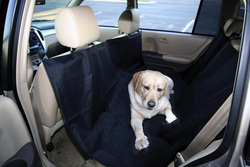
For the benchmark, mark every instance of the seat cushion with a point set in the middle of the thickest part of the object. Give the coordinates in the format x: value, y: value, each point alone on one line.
x: 91, y: 89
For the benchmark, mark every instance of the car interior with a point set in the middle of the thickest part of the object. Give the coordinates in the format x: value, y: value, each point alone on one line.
x: 72, y: 88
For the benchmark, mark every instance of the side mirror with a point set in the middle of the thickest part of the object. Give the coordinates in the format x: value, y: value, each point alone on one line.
x: 40, y: 2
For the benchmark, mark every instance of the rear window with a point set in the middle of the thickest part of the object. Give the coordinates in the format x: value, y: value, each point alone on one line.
x: 185, y: 16
x: 169, y: 15
x: 107, y: 12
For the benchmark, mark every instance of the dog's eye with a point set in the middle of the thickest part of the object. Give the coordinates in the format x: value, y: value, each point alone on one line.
x: 146, y: 87
x: 159, y: 89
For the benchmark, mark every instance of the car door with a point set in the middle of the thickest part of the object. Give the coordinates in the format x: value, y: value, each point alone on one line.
x: 17, y: 148
x: 176, y: 33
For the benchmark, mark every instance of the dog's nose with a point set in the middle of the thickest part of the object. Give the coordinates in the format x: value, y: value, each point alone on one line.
x: 151, y: 104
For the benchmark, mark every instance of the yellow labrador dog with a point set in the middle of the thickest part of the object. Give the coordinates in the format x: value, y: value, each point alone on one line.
x: 149, y: 93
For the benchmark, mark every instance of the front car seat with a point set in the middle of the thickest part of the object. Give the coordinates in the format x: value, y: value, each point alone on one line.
x: 75, y: 27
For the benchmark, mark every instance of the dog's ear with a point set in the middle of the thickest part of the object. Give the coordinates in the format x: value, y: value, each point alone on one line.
x: 137, y: 79
x: 165, y: 88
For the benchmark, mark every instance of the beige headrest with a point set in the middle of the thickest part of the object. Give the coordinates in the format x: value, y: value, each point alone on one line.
x: 129, y: 21
x: 76, y: 26
x: 233, y: 25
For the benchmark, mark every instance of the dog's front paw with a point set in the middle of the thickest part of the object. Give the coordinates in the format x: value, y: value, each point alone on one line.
x: 141, y: 143
x: 170, y: 118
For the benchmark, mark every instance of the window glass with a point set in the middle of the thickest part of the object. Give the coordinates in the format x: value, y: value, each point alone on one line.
x: 208, y: 19
x: 107, y: 12
x: 49, y: 10
x: 187, y: 16
x: 169, y: 15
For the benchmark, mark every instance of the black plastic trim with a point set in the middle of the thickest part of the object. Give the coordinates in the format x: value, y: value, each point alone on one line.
x: 7, y: 34
x: 27, y: 156
x: 197, y: 16
x: 153, y: 58
x: 3, y: 9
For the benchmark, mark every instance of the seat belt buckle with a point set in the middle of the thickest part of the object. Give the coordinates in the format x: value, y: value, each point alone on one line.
x: 178, y: 159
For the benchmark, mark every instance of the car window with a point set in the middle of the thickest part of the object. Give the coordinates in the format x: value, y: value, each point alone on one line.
x: 107, y: 12
x: 170, y: 15
x: 49, y: 10
x: 189, y: 16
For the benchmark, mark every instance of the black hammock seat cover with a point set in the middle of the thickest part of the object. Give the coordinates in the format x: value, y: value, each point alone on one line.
x: 91, y: 89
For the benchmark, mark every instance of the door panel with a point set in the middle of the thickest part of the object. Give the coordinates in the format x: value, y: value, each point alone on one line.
x: 167, y: 49
x: 17, y: 149
x: 176, y: 49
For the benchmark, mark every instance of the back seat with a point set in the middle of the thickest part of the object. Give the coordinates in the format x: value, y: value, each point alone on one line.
x: 91, y: 89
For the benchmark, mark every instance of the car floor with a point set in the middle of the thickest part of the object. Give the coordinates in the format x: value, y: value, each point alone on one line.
x: 65, y: 154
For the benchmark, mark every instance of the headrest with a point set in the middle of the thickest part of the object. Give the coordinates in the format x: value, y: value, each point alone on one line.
x: 129, y: 21
x: 233, y: 25
x: 76, y: 26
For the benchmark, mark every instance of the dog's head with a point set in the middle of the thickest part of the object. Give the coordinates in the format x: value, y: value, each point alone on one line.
x: 151, y: 86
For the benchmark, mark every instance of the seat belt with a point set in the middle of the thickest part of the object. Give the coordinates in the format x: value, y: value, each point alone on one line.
x: 207, y: 134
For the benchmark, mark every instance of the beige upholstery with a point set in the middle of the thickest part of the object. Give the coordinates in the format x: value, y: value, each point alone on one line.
x: 76, y: 26
x: 211, y: 148
x: 13, y: 132
x: 233, y: 25
x: 46, y: 104
x: 129, y: 21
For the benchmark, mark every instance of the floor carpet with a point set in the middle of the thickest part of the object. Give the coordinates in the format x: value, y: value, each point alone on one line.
x: 65, y: 154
